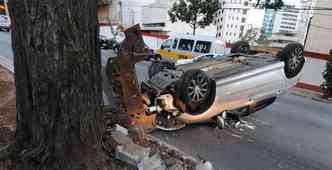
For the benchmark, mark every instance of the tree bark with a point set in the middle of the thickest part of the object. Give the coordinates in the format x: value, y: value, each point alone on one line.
x: 58, y: 84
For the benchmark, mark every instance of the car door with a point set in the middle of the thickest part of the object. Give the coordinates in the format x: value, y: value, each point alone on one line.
x: 185, y: 49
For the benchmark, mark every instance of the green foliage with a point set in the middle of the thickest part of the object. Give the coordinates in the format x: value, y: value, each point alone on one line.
x: 196, y: 13
x: 268, y: 4
x: 327, y: 85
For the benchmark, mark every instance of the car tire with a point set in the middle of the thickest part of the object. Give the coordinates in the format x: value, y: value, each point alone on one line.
x: 196, y: 90
x: 241, y: 47
x: 293, y: 56
x: 158, y: 66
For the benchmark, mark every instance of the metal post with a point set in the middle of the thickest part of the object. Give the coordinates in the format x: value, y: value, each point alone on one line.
x: 6, y: 7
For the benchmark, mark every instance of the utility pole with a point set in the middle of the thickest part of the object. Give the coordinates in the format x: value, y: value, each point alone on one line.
x: 6, y: 7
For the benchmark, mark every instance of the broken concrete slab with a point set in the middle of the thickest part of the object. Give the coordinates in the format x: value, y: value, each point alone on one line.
x: 153, y: 163
x: 132, y: 154
x: 118, y: 128
x: 118, y: 138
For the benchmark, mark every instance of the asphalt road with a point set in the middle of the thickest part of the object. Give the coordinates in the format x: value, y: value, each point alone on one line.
x: 294, y: 133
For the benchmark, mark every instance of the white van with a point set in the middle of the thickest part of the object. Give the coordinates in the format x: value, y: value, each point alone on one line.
x: 182, y: 46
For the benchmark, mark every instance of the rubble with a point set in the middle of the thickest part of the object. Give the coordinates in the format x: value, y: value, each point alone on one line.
x: 132, y: 154
x: 118, y: 128
x: 144, y: 152
x: 153, y: 163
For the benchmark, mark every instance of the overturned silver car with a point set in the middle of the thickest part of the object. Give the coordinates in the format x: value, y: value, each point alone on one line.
x: 210, y: 89
x: 218, y: 88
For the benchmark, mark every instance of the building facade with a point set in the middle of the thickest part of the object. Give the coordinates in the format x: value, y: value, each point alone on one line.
x: 232, y: 19
x: 268, y: 22
x: 317, y: 45
x: 289, y: 24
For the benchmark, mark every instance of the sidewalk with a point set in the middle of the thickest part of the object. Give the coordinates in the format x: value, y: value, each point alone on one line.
x: 7, y: 63
x: 310, y: 95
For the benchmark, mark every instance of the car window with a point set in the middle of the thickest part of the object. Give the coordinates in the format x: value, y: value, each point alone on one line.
x: 166, y: 44
x: 186, y: 45
x: 175, y: 43
x: 203, y: 47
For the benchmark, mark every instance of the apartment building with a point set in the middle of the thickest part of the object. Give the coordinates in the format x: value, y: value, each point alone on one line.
x: 289, y: 24
x: 232, y: 19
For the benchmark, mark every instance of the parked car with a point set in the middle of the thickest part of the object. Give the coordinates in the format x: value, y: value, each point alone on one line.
x: 4, y: 23
x: 108, y: 43
x: 211, y: 89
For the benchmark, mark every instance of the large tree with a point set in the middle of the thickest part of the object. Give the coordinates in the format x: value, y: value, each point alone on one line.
x: 58, y: 84
x: 270, y: 4
x: 196, y: 13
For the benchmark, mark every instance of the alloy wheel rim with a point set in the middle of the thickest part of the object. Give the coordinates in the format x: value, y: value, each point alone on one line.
x: 198, y: 88
x: 296, y: 59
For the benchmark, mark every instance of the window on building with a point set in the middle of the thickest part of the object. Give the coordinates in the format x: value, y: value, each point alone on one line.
x: 243, y: 20
x: 186, y: 45
x: 246, y: 3
x: 288, y: 23
x: 287, y: 27
x: 202, y: 47
x: 245, y: 11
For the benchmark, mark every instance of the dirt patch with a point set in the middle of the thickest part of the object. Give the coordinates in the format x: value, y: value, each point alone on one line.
x: 7, y: 112
x: 7, y: 102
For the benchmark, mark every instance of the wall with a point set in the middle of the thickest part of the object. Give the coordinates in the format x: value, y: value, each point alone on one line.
x: 320, y: 32
x: 318, y: 44
x: 312, y: 72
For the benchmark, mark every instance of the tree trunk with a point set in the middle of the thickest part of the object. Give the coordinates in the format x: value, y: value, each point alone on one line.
x: 58, y: 84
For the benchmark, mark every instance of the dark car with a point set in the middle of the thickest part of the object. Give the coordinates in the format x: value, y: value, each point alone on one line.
x: 108, y: 43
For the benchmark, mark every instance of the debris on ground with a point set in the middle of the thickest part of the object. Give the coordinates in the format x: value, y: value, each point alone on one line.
x: 146, y: 152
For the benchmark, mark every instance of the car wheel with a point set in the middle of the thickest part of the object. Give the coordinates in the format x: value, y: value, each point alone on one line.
x: 293, y: 56
x: 241, y: 47
x: 157, y: 66
x: 196, y: 90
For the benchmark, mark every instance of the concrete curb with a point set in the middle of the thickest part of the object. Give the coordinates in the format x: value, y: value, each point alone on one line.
x: 7, y: 63
x: 314, y: 97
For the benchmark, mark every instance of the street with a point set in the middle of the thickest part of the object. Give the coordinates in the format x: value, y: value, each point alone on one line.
x: 6, y: 49
x: 293, y: 133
